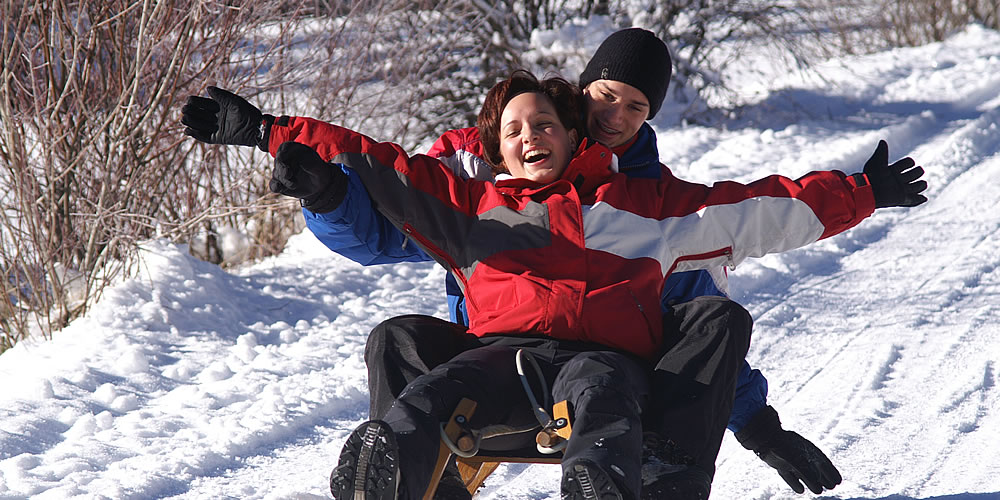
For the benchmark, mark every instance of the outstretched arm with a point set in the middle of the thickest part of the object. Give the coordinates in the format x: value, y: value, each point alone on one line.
x: 723, y: 224
x: 340, y: 214
x: 356, y: 230
x: 418, y: 194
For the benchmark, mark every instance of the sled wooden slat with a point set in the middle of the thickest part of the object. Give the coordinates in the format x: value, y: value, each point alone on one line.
x: 474, y: 474
x: 463, y: 412
x: 477, y: 468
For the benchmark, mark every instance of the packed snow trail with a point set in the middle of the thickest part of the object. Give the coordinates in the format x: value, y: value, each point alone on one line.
x: 881, y: 345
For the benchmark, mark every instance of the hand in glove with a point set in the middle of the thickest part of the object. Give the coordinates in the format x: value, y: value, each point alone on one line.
x: 795, y: 458
x: 894, y: 185
x: 301, y: 173
x: 225, y: 118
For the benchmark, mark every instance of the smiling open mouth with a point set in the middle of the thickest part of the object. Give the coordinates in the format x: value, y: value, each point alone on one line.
x: 536, y: 156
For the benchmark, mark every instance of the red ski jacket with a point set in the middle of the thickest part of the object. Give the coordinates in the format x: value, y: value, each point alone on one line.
x: 584, y: 257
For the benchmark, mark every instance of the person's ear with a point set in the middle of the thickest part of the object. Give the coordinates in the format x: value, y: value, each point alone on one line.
x: 575, y: 137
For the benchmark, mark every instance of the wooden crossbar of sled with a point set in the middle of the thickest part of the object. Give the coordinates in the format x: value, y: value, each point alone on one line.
x: 475, y: 469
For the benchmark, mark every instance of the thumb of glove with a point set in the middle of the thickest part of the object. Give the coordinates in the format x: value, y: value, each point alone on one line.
x: 792, y: 479
x: 879, y: 159
x: 239, y: 121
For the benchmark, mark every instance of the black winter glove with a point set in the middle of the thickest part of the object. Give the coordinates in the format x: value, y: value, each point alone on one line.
x: 301, y: 173
x: 894, y: 185
x: 225, y: 118
x: 793, y: 456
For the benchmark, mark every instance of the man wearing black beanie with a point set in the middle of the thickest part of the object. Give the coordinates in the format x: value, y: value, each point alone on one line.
x: 631, y: 67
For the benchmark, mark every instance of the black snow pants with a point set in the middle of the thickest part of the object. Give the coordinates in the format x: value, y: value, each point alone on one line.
x: 403, y: 348
x: 605, y: 391
x: 692, y: 385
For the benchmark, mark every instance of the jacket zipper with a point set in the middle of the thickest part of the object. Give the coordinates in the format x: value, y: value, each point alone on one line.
x: 722, y: 252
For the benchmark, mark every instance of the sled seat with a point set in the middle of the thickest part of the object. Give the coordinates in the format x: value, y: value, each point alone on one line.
x: 493, y: 451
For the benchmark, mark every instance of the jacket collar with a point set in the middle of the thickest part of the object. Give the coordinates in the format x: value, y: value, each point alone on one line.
x: 642, y: 159
x: 590, y: 167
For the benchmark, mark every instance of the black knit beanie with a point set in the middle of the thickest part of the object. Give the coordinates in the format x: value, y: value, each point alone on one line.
x: 634, y: 56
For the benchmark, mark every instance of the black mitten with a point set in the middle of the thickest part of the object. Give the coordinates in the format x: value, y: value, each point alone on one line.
x: 301, y: 173
x: 795, y: 458
x: 894, y: 185
x: 225, y: 118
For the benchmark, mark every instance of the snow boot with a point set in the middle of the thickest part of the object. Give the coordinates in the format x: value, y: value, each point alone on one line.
x: 369, y: 464
x: 584, y: 480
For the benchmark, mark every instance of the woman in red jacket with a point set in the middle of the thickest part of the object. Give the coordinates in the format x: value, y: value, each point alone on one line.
x: 502, y: 233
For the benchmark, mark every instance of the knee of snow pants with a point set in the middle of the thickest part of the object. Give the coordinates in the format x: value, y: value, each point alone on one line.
x: 403, y: 348
x: 704, y: 337
x: 606, y: 392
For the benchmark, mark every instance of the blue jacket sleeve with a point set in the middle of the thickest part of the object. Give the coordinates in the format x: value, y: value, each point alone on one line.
x: 359, y: 232
x: 456, y: 301
x: 684, y: 286
x: 751, y: 396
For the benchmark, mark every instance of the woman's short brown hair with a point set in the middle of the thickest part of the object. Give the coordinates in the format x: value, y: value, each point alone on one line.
x: 566, y: 98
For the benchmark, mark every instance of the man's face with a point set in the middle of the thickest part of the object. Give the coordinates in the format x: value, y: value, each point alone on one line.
x: 615, y: 111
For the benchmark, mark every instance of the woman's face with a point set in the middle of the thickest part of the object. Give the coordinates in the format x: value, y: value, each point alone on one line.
x: 533, y: 142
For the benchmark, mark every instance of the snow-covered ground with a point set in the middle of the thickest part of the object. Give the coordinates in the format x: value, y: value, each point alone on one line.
x: 881, y: 345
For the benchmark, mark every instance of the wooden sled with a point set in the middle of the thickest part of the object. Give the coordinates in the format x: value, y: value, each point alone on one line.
x: 476, y: 468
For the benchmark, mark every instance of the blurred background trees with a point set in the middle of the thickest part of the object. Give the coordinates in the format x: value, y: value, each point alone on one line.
x: 94, y: 161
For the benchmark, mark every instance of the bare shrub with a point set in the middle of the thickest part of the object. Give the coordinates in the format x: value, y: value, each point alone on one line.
x: 93, y: 158
x: 917, y: 22
x: 704, y: 36
x: 90, y: 92
x: 862, y: 26
x: 402, y: 71
x: 93, y: 161
x: 501, y: 35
